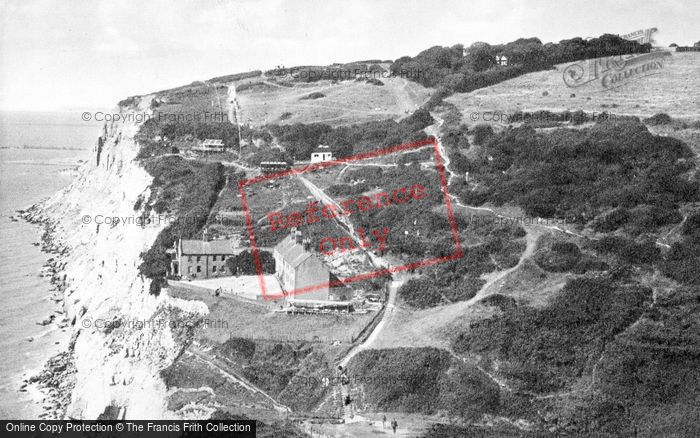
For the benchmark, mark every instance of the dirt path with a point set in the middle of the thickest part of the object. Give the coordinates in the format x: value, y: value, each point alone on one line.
x: 232, y: 375
x: 434, y: 130
x: 388, y: 316
x: 378, y: 261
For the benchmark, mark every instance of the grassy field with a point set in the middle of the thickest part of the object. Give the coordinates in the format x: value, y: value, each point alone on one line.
x: 345, y: 102
x: 257, y: 321
x: 672, y: 91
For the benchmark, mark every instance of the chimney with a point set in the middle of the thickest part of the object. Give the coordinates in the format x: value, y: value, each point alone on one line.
x: 296, y: 234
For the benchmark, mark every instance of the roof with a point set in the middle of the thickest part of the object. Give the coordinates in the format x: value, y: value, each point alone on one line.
x: 200, y: 247
x: 293, y: 252
x: 322, y: 148
x: 212, y: 142
x: 318, y: 303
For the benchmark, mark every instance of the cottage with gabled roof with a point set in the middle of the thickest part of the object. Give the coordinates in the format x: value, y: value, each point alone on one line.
x: 298, y: 267
x: 201, y: 258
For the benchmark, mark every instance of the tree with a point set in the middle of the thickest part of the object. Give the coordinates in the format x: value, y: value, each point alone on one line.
x: 480, y: 57
x: 244, y: 264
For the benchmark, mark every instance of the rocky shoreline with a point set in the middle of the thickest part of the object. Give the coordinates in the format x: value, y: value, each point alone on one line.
x: 57, y: 379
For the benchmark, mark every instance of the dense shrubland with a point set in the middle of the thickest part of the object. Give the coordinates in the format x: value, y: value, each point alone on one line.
x: 460, y: 279
x: 547, y: 349
x: 682, y: 262
x: 181, y: 189
x: 283, y: 369
x: 299, y: 139
x: 582, y: 173
x: 423, y: 380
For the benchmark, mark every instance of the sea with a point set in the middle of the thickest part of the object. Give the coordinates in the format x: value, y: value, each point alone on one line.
x: 39, y: 154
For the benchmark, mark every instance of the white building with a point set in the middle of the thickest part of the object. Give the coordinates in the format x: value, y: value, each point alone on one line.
x: 321, y: 153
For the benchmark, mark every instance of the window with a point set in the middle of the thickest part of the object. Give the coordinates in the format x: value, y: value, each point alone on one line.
x: 214, y: 258
x: 223, y: 258
x: 189, y: 258
x: 199, y: 268
x: 214, y: 269
x: 189, y: 269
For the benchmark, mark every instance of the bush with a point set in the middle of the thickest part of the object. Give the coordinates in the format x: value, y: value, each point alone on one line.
x: 659, y: 119
x: 156, y: 285
x: 314, y: 95
x: 482, y: 133
x: 611, y: 221
x: 691, y: 227
x: 456, y: 138
x: 682, y: 263
x: 628, y: 250
x: 579, y: 117
x: 370, y: 174
x: 502, y: 302
x: 244, y: 263
x: 347, y: 189
x: 420, y: 293
x: 560, y: 257
x: 648, y: 218
x: 420, y: 119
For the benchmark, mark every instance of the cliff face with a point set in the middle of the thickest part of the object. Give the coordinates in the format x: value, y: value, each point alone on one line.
x: 123, y: 336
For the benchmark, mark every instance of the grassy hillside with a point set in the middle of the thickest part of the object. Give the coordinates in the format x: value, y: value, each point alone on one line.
x: 672, y: 91
x: 342, y: 103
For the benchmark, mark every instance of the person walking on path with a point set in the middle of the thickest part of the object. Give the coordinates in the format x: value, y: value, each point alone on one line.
x: 383, y: 421
x: 394, y: 425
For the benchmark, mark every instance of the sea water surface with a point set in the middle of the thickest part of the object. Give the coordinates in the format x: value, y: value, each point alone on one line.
x: 39, y: 155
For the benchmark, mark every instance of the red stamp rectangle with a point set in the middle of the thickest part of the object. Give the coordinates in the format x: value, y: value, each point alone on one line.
x: 345, y: 232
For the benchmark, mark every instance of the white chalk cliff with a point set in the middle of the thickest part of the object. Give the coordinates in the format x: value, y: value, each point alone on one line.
x: 116, y: 367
